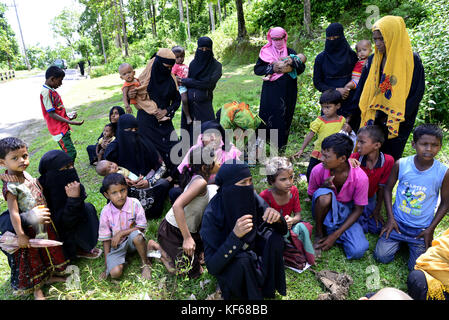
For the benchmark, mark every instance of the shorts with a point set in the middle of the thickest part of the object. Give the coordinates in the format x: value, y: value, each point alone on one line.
x: 182, y: 89
x: 117, y: 256
x: 67, y: 146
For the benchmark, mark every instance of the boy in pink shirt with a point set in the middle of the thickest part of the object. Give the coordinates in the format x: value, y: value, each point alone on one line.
x: 122, y: 223
x: 339, y: 194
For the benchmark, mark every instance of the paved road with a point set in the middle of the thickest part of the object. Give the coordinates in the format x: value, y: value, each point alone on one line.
x: 20, y: 103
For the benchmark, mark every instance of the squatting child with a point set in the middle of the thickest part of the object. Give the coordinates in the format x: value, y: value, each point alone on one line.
x: 283, y: 196
x: 421, y: 180
x: 323, y: 126
x: 55, y: 114
x: 31, y: 268
x: 339, y: 193
x: 377, y: 167
x: 122, y: 227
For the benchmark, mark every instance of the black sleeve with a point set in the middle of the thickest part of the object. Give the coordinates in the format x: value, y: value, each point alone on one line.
x: 176, y: 102
x: 318, y: 75
x: 73, y: 213
x: 207, y: 84
x: 263, y: 68
x: 416, y: 91
x: 111, y: 152
x: 280, y: 227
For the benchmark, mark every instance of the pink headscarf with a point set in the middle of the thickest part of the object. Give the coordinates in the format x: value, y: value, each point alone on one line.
x: 274, y: 50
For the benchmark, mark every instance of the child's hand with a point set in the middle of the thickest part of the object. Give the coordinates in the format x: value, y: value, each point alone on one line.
x: 77, y: 123
x: 72, y: 115
x: 189, y: 120
x: 427, y: 234
x: 289, y: 221
x: 298, y: 154
x: 103, y: 275
x: 388, y: 227
x: 23, y: 241
x: 328, y: 183
x: 327, y: 242
x: 73, y: 189
x: 189, y: 245
x: 116, y: 239
x: 354, y: 163
x: 129, y: 109
x: 377, y: 216
x: 41, y: 214
x: 346, y: 127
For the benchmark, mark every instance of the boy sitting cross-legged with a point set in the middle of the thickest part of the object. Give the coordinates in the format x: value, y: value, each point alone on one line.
x: 339, y: 192
x: 421, y: 179
x: 377, y: 167
x: 122, y: 223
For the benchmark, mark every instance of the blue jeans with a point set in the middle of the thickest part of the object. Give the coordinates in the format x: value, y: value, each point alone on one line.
x: 386, y: 248
x: 353, y: 239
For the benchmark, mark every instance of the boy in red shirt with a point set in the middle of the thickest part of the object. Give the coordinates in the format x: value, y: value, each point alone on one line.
x: 377, y: 167
x: 54, y: 112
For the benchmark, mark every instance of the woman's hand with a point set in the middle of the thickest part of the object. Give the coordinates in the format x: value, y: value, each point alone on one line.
x: 141, y: 184
x: 189, y: 246
x: 271, y: 216
x: 344, y: 92
x: 160, y: 113
x: 73, y: 189
x: 243, y: 225
x: 132, y: 93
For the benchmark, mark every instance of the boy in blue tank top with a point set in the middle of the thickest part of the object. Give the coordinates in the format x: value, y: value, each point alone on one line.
x: 412, y: 218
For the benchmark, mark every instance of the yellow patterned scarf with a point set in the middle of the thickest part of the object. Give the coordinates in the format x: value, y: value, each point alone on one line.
x: 389, y: 93
x: 435, y: 265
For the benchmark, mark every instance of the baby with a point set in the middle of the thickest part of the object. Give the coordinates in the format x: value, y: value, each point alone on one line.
x: 105, y: 140
x: 285, y: 65
x: 127, y: 73
x: 105, y: 167
x: 364, y: 49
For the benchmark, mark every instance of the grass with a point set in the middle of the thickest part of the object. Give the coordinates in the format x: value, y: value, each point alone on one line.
x: 93, y: 98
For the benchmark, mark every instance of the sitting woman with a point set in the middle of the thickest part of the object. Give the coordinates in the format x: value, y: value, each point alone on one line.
x: 243, y: 238
x: 76, y: 220
x: 178, y: 233
x: 114, y: 114
x: 136, y: 153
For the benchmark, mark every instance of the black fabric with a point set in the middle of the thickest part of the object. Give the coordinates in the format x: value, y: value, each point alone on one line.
x: 76, y: 221
x: 162, y: 84
x: 132, y: 150
x: 278, y: 101
x: 394, y: 147
x: 152, y: 199
x: 202, y: 63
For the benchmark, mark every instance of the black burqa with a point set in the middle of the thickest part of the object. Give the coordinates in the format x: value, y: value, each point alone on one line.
x: 91, y: 149
x: 204, y: 73
x: 162, y: 90
x: 251, y: 267
x: 75, y: 220
x: 333, y: 67
x: 131, y: 149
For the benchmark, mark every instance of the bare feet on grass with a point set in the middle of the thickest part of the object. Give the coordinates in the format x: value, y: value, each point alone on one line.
x: 39, y: 294
x: 146, y: 271
x: 165, y: 258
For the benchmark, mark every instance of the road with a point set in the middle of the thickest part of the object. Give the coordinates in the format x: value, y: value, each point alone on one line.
x: 20, y: 104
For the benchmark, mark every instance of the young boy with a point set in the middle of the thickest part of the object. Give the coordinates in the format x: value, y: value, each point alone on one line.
x: 377, y: 167
x: 421, y: 179
x: 339, y: 192
x: 105, y: 140
x: 54, y: 112
x: 122, y: 223
x: 181, y: 71
x: 323, y: 126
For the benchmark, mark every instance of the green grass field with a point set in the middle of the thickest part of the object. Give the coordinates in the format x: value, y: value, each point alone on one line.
x: 93, y: 98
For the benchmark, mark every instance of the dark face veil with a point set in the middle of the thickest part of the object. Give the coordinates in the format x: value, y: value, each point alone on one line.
x: 162, y: 84
x: 339, y: 57
x: 203, y: 62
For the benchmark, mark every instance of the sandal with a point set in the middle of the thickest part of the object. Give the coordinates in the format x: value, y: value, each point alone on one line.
x: 92, y: 254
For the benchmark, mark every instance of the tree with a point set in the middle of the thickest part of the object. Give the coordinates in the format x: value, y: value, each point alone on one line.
x: 211, y: 16
x: 188, y: 20
x: 9, y: 48
x: 125, y: 36
x: 66, y: 25
x: 242, y: 34
x: 307, y: 16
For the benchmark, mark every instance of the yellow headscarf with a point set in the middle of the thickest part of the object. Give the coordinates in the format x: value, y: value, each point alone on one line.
x: 435, y: 265
x: 390, y: 92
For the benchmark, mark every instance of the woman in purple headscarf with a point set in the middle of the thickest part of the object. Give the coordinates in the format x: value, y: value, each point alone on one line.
x: 279, y: 93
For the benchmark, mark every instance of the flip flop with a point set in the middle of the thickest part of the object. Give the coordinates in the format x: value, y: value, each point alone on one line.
x: 93, y: 254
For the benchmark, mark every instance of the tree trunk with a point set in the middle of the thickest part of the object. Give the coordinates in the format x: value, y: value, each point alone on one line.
x: 188, y: 20
x: 117, y: 26
x: 101, y: 38
x: 219, y: 11
x: 307, y: 16
x: 242, y: 34
x: 153, y: 20
x: 125, y: 36
x: 211, y: 15
x: 181, y: 11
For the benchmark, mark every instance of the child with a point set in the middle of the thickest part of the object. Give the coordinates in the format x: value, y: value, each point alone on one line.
x: 122, y: 223
x: 107, y: 138
x: 181, y: 71
x: 31, y: 268
x: 330, y: 122
x: 127, y: 73
x: 421, y: 179
x: 284, y: 198
x: 377, y: 167
x: 339, y: 192
x: 105, y: 167
x: 178, y: 233
x: 285, y: 65
x: 54, y: 112
x: 364, y: 49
